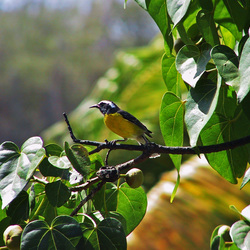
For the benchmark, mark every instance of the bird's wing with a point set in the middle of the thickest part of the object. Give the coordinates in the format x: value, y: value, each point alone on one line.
x: 134, y: 120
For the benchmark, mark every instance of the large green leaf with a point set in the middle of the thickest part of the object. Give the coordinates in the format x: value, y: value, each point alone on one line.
x: 170, y: 75
x: 191, y: 62
x: 131, y: 203
x: 15, y: 166
x: 227, y: 63
x: 40, y: 206
x: 57, y: 193
x: 240, y: 233
x: 244, y: 71
x: 200, y: 105
x: 107, y: 234
x: 18, y: 209
x: 177, y: 9
x: 172, y: 123
x: 207, y: 27
x: 78, y: 156
x: 230, y: 164
x: 63, y: 233
x: 158, y: 11
x: 222, y: 17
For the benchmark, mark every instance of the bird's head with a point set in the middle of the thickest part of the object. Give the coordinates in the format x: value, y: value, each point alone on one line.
x: 106, y: 107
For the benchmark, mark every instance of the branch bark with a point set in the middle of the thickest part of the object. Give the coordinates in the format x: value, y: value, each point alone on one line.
x: 156, y: 148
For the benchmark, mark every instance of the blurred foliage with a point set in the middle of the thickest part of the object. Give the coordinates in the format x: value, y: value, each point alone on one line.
x: 202, y: 202
x: 50, y: 58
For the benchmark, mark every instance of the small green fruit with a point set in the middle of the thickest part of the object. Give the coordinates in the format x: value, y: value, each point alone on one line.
x: 12, y: 236
x: 134, y: 177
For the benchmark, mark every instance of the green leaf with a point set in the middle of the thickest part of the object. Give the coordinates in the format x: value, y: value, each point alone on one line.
x: 231, y: 163
x: 246, y: 178
x: 171, y: 76
x: 177, y: 9
x: 78, y: 156
x: 207, y: 27
x: 18, y: 209
x: 172, y: 123
x: 227, y: 63
x: 40, y: 206
x: 108, y: 234
x: 200, y: 105
x: 57, y: 193
x: 175, y: 187
x: 47, y: 169
x: 158, y: 11
x: 222, y: 17
x: 36, y: 161
x: 142, y: 3
x: 239, y: 13
x: 61, y: 162
x: 244, y: 71
x: 15, y: 165
x: 64, y: 233
x: 240, y: 233
x: 131, y: 203
x: 53, y: 149
x: 191, y: 62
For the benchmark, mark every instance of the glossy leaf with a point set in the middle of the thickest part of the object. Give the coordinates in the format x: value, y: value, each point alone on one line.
x: 47, y: 169
x: 177, y: 9
x: 200, y: 105
x: 63, y: 233
x: 78, y: 156
x: 191, y: 62
x: 230, y: 164
x: 244, y: 71
x: 57, y: 193
x: 18, y: 209
x: 207, y: 27
x: 227, y: 63
x: 60, y: 162
x: 172, y: 123
x: 53, y: 149
x: 158, y: 11
x: 131, y: 203
x: 240, y: 233
x: 223, y: 17
x: 171, y: 76
x: 15, y: 165
x: 108, y: 234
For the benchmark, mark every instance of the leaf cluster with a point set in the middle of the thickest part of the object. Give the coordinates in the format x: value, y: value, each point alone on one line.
x: 37, y: 187
x: 206, y: 51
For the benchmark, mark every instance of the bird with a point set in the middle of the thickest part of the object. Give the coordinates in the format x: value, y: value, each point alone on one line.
x: 123, y: 123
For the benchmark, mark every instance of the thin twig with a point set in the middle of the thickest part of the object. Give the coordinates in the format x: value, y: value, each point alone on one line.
x: 85, y: 185
x: 88, y: 197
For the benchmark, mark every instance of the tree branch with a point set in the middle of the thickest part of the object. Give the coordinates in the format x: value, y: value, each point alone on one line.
x: 156, y: 148
x: 112, y: 173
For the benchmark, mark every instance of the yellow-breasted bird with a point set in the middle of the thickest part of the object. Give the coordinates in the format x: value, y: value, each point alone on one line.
x: 123, y: 123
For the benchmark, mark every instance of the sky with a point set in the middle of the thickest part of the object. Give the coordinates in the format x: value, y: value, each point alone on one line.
x: 10, y: 5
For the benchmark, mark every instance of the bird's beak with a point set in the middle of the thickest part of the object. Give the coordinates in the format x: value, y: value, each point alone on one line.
x: 94, y: 106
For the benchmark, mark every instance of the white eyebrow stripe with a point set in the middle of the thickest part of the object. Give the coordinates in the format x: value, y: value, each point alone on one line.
x: 112, y: 105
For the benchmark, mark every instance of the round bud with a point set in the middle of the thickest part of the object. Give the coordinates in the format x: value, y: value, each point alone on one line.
x: 134, y: 177
x: 12, y: 236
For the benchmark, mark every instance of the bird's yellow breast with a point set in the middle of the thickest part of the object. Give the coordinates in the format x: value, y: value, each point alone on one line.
x: 122, y: 127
